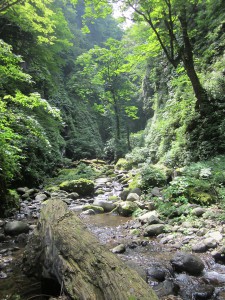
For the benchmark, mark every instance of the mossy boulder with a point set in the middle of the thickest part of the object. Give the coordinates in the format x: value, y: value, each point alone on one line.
x: 126, y: 208
x: 200, y: 197
x: 123, y: 164
x: 95, y: 208
x: 82, y: 186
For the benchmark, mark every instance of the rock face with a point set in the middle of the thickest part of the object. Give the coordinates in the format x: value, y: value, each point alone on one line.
x: 16, y: 227
x: 61, y: 247
x: 188, y: 263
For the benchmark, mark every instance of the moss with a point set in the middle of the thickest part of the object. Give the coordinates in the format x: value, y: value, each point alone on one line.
x: 82, y: 186
x: 135, y: 182
x: 123, y: 164
x: 97, y: 209
x: 11, y: 203
x: 200, y: 197
x: 114, y: 198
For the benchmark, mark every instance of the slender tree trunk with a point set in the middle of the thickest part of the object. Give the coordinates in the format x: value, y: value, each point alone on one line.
x: 187, y: 58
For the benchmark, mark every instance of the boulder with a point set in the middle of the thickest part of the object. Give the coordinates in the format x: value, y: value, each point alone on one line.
x: 148, y: 216
x: 73, y: 196
x: 95, y: 208
x: 136, y: 191
x: 83, y: 187
x: 133, y: 197
x: 126, y: 208
x: 186, y: 262
x: 105, y: 204
x: 153, y: 230
x: 123, y: 195
x: 119, y: 249
x: 198, y: 211
x: 16, y: 227
x: 41, y: 197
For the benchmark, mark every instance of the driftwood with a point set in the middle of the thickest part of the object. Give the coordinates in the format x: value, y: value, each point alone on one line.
x: 62, y: 248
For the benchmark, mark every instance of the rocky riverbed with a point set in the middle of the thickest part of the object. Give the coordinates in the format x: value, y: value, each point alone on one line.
x: 180, y: 261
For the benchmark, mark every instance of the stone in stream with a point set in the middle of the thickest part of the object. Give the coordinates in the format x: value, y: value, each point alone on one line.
x: 126, y: 208
x: 16, y: 227
x: 119, y: 249
x: 73, y: 196
x: 41, y: 197
x: 148, y: 216
x: 2, y: 237
x: 123, y: 195
x: 198, y: 211
x: 153, y: 230
x: 186, y: 262
x: 95, y: 208
x: 133, y: 197
x: 105, y: 204
x: 136, y: 191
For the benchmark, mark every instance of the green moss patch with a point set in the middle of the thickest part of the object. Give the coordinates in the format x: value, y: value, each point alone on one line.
x: 82, y: 186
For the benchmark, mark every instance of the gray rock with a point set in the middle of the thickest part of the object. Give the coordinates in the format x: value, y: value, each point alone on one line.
x: 123, y: 195
x: 199, y: 247
x: 16, y: 227
x: 136, y: 191
x: 105, y: 204
x: 187, y: 262
x: 2, y: 237
x: 156, y: 192
x: 147, y: 216
x: 198, y: 211
x: 156, y: 273
x: 41, y: 197
x: 153, y: 230
x: 133, y: 197
x: 210, y: 243
x: 22, y: 190
x: 165, y: 288
x: 73, y: 196
x: 119, y: 249
x: 2, y: 223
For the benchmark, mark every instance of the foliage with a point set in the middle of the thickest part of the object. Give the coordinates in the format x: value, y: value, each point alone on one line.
x: 152, y: 176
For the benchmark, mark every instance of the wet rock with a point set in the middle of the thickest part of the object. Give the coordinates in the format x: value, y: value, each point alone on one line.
x: 167, y: 287
x: 88, y: 212
x: 21, y: 190
x: 153, y: 230
x: 2, y: 223
x: 133, y: 197
x: 214, y: 277
x: 105, y: 204
x: 21, y: 239
x: 219, y: 255
x: 167, y: 239
x: 203, y: 292
x: 2, y: 237
x: 198, y: 211
x: 136, y: 191
x: 119, y: 249
x: 16, y: 227
x: 156, y: 273
x: 41, y: 197
x: 123, y: 195
x: 148, y: 216
x: 73, y: 196
x: 199, y: 247
x: 126, y: 208
x: 187, y: 262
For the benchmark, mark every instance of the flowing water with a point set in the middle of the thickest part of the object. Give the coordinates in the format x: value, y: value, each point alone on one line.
x: 141, y: 254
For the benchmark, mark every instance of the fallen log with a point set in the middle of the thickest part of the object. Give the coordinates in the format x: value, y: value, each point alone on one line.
x: 62, y: 248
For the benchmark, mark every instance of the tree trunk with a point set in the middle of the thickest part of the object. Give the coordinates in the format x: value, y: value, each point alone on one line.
x: 187, y: 58
x: 61, y: 248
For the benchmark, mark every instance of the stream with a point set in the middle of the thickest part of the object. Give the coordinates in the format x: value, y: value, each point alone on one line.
x: 147, y: 255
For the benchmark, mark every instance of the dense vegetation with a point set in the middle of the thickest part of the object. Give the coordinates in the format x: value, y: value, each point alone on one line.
x: 74, y: 85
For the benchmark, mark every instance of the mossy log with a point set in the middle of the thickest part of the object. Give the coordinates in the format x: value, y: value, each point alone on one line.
x: 62, y: 248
